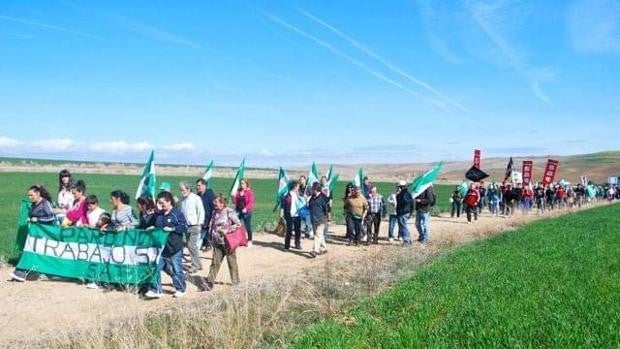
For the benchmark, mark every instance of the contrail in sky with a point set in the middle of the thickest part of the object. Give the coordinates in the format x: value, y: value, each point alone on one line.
x: 354, y: 61
x: 381, y: 59
x: 48, y: 26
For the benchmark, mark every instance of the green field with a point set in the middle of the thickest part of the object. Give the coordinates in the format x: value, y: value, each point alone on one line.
x: 551, y: 284
x: 15, y: 185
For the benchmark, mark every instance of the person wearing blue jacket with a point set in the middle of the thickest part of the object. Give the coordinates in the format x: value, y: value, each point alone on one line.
x: 172, y: 221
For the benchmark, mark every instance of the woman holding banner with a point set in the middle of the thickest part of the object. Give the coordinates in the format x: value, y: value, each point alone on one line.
x: 40, y: 212
x: 172, y: 221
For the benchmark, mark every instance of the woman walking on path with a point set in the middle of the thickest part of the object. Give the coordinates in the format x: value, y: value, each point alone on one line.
x: 224, y: 221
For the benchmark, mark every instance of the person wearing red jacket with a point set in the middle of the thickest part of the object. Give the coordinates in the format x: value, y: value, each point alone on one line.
x: 471, y: 201
x: 244, y: 205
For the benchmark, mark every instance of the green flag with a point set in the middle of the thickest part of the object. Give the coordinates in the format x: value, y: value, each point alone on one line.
x: 238, y: 178
x: 148, y: 182
x: 330, y: 172
x: 129, y: 257
x: 331, y: 183
x: 313, y: 176
x: 463, y: 188
x: 358, y: 180
x: 282, y: 187
x: 208, y: 172
x: 421, y: 183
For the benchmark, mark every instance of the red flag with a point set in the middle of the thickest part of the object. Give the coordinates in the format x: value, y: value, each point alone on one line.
x: 477, y: 158
x: 527, y: 171
x: 550, y: 171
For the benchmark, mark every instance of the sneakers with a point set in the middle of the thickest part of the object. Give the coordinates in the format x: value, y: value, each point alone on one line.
x: 18, y: 275
x: 150, y: 294
x: 391, y: 239
x: 179, y: 294
x: 92, y: 286
x: 313, y: 254
x: 249, y: 243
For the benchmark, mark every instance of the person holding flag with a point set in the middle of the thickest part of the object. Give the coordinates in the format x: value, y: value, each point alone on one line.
x: 244, y: 205
x: 207, y: 196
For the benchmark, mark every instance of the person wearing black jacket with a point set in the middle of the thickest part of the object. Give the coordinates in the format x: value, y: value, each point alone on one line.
x: 423, y: 204
x: 457, y: 201
x: 404, y: 209
x: 41, y: 212
x: 207, y: 195
x: 319, y: 210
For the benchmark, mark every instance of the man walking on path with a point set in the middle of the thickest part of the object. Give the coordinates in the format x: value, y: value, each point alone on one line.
x: 404, y: 209
x: 423, y: 204
x: 194, y: 212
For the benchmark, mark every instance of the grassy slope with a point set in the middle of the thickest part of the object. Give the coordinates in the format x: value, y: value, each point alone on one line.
x: 15, y: 185
x: 554, y: 283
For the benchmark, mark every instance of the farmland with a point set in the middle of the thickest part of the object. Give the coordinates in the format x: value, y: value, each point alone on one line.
x: 15, y: 185
x: 553, y: 283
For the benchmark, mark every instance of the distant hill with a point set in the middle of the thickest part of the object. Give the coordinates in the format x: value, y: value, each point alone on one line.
x: 597, y: 166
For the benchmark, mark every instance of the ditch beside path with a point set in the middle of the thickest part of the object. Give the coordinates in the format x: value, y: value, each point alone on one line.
x: 44, y: 308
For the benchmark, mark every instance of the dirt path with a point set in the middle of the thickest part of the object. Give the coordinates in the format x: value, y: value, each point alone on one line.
x: 47, y: 307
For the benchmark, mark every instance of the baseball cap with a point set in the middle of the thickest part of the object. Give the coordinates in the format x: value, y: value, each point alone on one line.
x: 165, y: 186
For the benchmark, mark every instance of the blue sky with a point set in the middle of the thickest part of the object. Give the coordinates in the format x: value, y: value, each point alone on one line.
x: 289, y: 82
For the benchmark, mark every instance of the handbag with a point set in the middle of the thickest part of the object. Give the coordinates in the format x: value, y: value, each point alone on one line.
x: 235, y: 239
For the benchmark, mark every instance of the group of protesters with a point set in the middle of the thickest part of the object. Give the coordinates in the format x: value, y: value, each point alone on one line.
x: 508, y: 198
x: 200, y: 219
x: 364, y: 208
x: 196, y: 221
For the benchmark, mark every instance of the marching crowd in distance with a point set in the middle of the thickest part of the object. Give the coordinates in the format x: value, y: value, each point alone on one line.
x: 507, y: 198
x: 201, y: 220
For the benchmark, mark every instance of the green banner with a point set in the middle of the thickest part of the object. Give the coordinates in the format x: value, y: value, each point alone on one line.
x: 129, y: 257
x: 22, y: 225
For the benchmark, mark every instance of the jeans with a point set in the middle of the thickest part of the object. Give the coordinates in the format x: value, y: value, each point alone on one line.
x: 421, y: 224
x: 402, y: 227
x: 246, y: 218
x: 308, y: 223
x: 205, y: 237
x: 173, y: 266
x: 356, y: 229
x: 392, y: 223
x: 349, y: 225
x: 456, y: 208
x: 292, y: 224
x: 193, y: 245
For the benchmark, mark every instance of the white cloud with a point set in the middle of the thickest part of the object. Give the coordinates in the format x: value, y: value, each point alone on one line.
x: 594, y: 26
x: 6, y: 142
x: 265, y: 152
x: 54, y: 144
x: 120, y: 147
x: 180, y: 147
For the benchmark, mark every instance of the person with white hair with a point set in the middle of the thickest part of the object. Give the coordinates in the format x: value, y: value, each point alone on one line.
x: 194, y: 213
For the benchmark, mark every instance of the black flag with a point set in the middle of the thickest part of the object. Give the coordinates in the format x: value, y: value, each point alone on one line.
x: 508, y: 170
x: 475, y: 174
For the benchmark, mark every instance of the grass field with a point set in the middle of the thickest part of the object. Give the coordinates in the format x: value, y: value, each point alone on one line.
x: 551, y: 284
x: 15, y: 185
